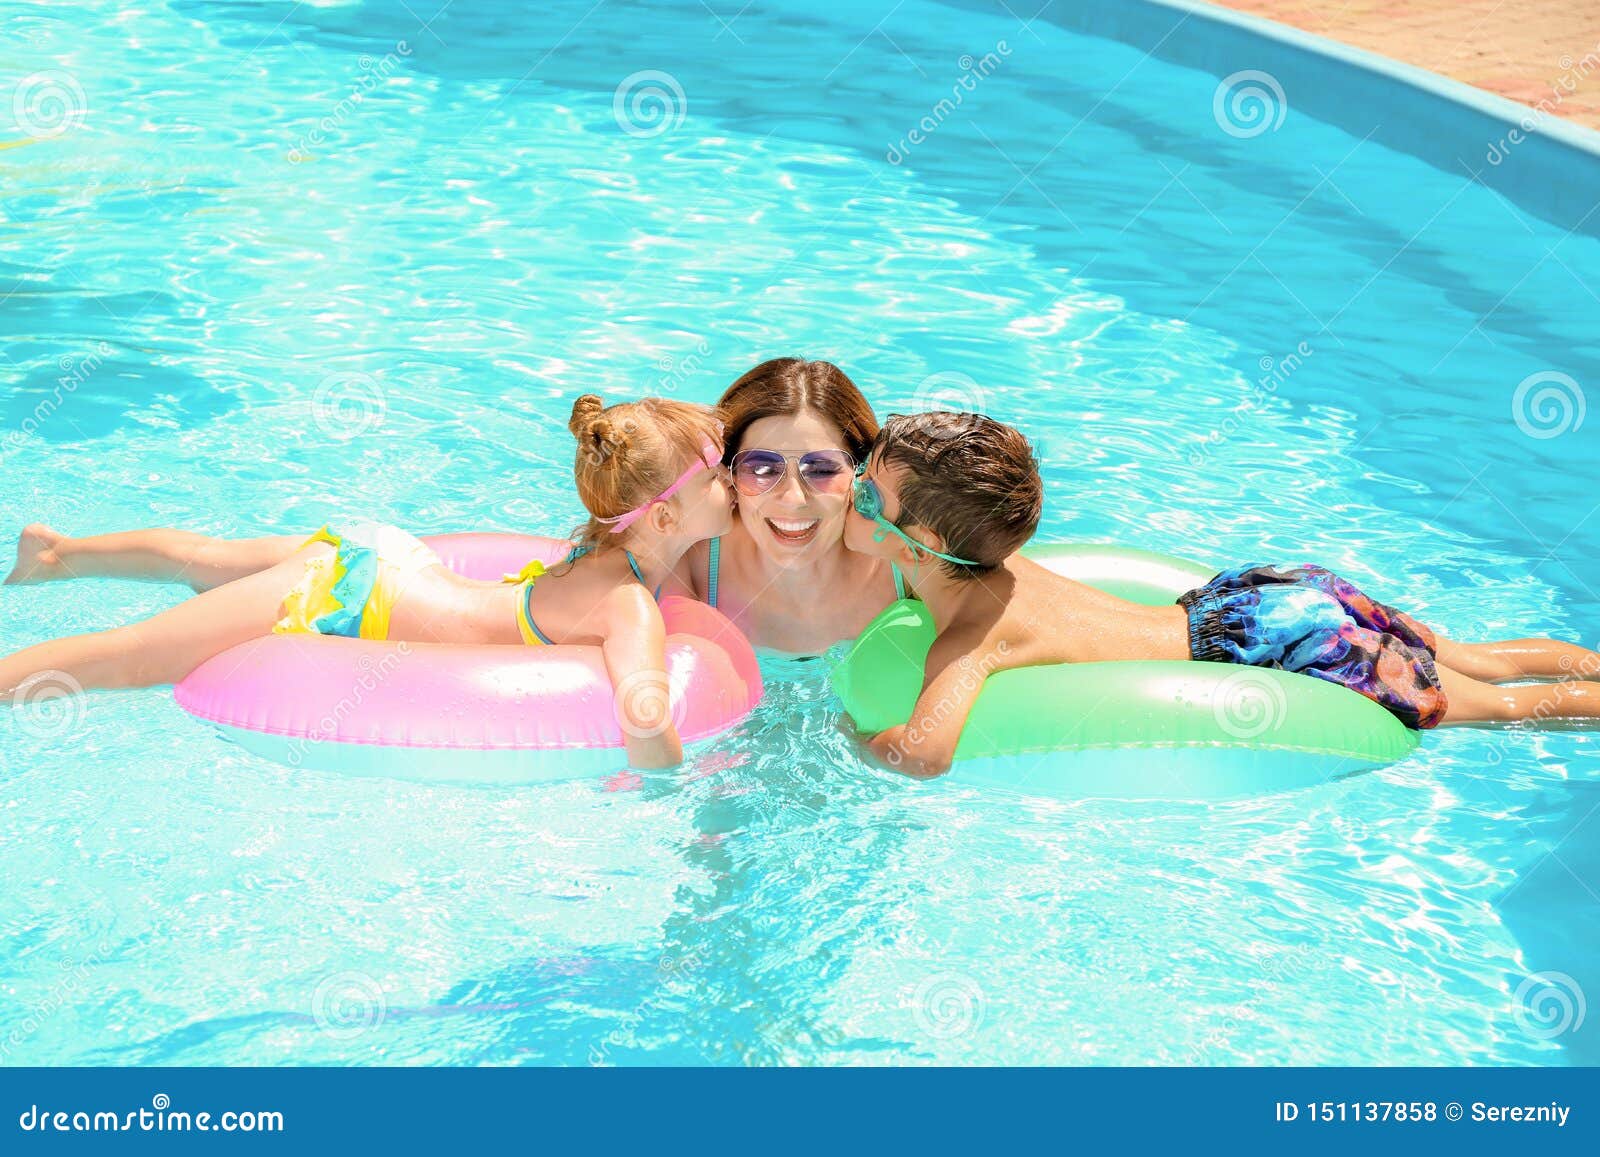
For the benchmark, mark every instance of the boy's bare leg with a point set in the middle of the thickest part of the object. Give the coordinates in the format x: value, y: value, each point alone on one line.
x: 1470, y: 700
x: 1508, y: 659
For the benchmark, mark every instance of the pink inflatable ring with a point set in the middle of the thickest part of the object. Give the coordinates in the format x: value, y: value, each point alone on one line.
x: 505, y: 715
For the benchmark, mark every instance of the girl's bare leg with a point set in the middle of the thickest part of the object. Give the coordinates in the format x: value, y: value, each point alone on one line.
x: 1470, y: 700
x: 163, y: 648
x: 1507, y: 659
x: 158, y: 555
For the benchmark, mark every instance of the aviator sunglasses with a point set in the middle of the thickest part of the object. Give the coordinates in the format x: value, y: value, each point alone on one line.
x: 822, y: 471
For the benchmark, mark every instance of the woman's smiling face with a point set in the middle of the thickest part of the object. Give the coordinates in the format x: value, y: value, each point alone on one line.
x: 791, y: 522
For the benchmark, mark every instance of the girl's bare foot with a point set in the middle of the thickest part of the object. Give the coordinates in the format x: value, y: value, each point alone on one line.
x: 36, y: 556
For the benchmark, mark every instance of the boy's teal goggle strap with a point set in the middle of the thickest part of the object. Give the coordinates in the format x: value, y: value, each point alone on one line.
x: 868, y: 501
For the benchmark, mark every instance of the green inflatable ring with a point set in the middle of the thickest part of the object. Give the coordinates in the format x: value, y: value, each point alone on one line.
x: 1127, y: 729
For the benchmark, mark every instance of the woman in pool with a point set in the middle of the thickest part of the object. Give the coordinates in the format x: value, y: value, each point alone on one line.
x: 794, y: 432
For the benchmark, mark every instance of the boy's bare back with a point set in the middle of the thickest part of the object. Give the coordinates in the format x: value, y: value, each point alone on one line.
x: 1025, y: 616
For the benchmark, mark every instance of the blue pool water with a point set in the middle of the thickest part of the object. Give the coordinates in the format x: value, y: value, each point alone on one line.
x: 262, y: 263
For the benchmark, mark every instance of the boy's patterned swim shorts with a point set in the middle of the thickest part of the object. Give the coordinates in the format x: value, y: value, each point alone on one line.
x: 1306, y: 619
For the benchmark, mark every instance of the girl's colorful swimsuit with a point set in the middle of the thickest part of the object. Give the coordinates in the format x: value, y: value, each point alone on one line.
x: 531, y: 634
x: 1307, y: 619
x: 353, y: 592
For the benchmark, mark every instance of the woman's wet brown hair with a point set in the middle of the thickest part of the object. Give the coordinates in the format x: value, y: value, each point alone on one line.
x: 784, y: 387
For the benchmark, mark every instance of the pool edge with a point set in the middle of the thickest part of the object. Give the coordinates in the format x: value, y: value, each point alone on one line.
x: 1455, y: 127
x: 1509, y: 112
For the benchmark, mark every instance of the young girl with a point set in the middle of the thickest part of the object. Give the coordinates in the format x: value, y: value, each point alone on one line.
x: 648, y: 472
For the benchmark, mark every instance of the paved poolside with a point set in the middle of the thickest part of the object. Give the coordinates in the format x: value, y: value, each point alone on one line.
x: 1530, y: 51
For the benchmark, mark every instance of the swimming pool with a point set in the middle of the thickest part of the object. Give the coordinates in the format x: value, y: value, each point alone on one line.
x: 267, y: 262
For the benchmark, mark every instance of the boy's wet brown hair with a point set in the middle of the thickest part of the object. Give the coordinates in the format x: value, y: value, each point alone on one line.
x: 971, y: 480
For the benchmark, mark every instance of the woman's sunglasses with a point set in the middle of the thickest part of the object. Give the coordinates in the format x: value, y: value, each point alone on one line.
x: 822, y: 471
x: 868, y: 502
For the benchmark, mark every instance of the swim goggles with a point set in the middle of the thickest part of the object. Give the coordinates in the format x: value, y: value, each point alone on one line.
x: 823, y: 471
x: 710, y: 459
x: 868, y: 502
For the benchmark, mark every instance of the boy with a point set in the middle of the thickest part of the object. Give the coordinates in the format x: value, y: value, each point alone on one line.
x: 952, y: 497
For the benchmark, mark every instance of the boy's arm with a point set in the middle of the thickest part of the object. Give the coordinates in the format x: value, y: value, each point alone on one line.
x: 925, y: 745
x: 635, y: 650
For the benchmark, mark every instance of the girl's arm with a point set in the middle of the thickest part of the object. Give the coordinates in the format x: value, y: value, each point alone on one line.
x: 635, y: 650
